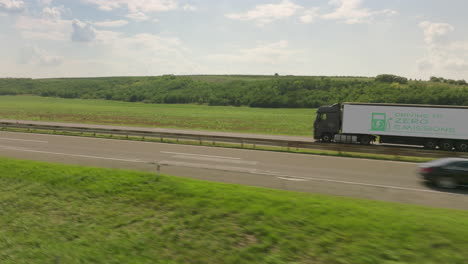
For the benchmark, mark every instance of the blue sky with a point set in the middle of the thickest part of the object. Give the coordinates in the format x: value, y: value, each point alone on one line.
x: 81, y: 38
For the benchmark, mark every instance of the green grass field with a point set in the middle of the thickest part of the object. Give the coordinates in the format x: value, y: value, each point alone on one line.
x: 297, y: 122
x: 68, y: 214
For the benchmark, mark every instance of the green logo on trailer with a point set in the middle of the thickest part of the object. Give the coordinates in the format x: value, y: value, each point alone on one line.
x: 379, y: 121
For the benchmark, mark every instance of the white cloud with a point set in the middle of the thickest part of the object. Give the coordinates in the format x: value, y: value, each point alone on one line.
x: 138, y: 16
x: 443, y: 56
x: 135, y: 6
x: 435, y: 32
x: 269, y: 53
x: 11, y: 5
x: 111, y: 23
x: 45, y: 2
x: 37, y: 56
x: 310, y: 15
x: 146, y: 54
x: 43, y: 28
x: 188, y: 7
x: 352, y: 12
x: 82, y: 32
x: 267, y: 13
x: 53, y: 13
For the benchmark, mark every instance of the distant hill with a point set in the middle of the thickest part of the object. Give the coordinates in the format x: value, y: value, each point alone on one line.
x: 247, y: 90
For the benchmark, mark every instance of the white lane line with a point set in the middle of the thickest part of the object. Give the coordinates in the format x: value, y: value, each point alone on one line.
x: 363, y: 159
x: 189, y: 154
x: 72, y: 155
x: 206, y: 166
x: 291, y: 179
x: 236, y: 169
x: 281, y: 176
x: 25, y: 140
x: 216, y: 159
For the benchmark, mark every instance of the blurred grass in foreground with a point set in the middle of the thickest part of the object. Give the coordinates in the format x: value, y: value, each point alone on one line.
x: 71, y: 214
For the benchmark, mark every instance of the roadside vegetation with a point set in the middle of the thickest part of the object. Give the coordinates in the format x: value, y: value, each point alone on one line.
x: 253, y: 91
x: 68, y: 214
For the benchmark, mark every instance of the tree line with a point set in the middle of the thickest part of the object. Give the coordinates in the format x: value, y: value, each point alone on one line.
x: 274, y: 92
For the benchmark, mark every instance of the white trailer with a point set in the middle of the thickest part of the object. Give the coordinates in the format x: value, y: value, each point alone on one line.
x: 445, y: 127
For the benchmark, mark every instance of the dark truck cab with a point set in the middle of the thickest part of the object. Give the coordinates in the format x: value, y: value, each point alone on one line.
x: 328, y: 127
x: 328, y: 122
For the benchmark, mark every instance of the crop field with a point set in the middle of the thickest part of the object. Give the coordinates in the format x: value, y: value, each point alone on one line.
x: 298, y: 122
x: 55, y: 213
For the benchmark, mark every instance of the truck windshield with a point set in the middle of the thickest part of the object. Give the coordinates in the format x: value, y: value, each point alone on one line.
x: 321, y: 116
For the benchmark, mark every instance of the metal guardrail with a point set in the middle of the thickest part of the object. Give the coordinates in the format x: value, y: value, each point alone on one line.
x: 241, y: 140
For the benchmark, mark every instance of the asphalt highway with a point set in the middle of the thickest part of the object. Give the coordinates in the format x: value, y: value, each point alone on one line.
x: 359, y: 178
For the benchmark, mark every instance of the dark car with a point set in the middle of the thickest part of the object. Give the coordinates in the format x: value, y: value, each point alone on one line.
x: 445, y: 173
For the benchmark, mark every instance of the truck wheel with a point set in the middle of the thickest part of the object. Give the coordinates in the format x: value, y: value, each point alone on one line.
x: 462, y: 146
x: 327, y: 137
x: 446, y: 145
x: 365, y: 140
x: 446, y: 182
x: 430, y: 144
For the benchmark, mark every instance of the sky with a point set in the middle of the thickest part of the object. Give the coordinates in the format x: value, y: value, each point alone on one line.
x: 86, y: 38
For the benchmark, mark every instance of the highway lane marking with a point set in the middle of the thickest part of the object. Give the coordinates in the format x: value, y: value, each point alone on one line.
x: 364, y: 159
x: 208, y: 166
x: 200, y: 155
x: 236, y: 169
x: 291, y: 179
x: 25, y: 140
x: 216, y: 159
x: 281, y: 176
x: 72, y: 155
x: 240, y: 150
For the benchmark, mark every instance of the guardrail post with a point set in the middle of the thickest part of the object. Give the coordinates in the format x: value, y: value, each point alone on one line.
x: 339, y: 150
x: 158, y: 168
x: 242, y: 143
x: 395, y: 153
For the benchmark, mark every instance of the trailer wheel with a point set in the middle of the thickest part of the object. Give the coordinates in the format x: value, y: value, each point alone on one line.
x: 446, y: 145
x: 461, y: 146
x: 365, y: 140
x: 326, y: 137
x: 430, y: 144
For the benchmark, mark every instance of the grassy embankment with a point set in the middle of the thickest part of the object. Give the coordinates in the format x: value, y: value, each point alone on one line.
x: 67, y: 214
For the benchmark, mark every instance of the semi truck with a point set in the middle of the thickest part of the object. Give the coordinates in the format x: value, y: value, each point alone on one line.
x: 432, y: 126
